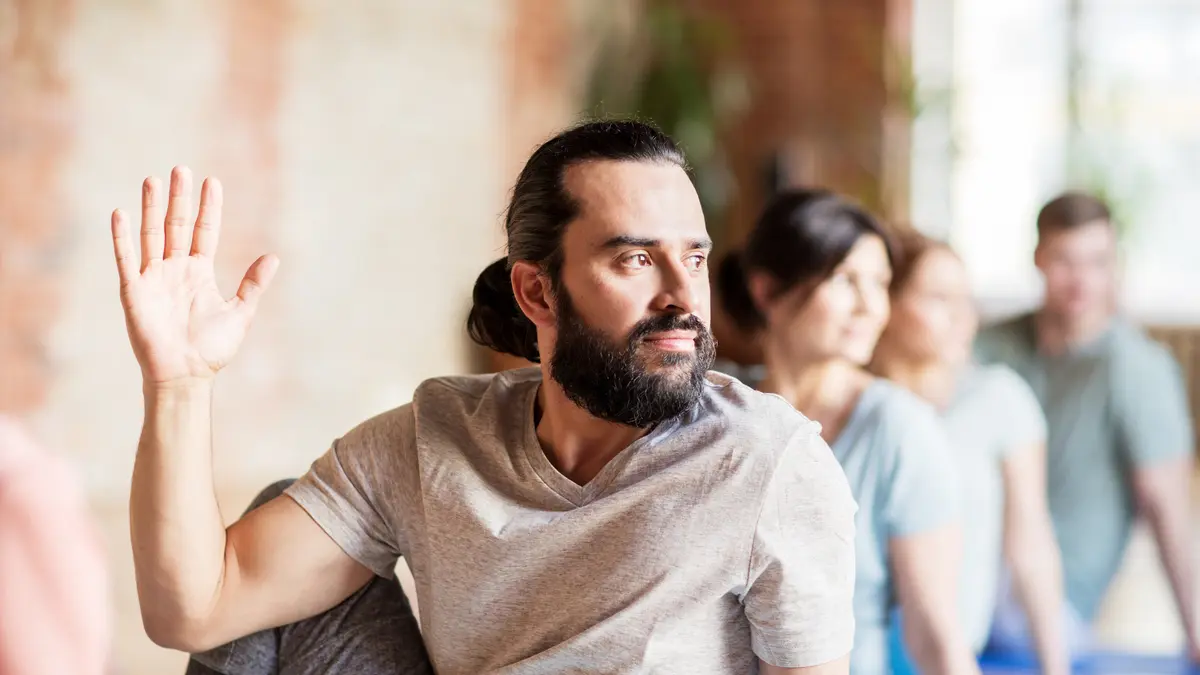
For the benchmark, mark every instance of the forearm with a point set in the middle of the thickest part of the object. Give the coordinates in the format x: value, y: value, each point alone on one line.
x: 1037, y: 575
x: 1171, y: 525
x: 175, y: 524
x: 937, y: 649
x: 926, y: 566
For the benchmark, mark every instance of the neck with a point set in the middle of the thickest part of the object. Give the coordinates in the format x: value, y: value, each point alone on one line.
x: 932, y: 380
x: 1059, y: 332
x: 576, y: 442
x: 825, y: 390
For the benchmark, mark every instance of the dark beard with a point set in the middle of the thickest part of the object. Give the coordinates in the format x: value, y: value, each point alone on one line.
x: 613, y: 383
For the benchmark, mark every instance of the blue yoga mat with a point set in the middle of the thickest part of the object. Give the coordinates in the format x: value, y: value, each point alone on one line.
x: 1096, y: 663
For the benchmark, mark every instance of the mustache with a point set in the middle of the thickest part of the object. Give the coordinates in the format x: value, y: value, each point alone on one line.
x: 662, y: 323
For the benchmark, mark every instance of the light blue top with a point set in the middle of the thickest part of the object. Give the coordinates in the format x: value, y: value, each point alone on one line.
x: 897, y: 459
x: 993, y: 413
x: 1111, y: 406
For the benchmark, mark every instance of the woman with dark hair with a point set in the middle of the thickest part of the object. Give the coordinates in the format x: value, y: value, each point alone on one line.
x: 998, y: 433
x: 812, y: 283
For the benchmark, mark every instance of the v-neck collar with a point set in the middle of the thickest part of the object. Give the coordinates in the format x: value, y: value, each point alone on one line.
x: 576, y: 494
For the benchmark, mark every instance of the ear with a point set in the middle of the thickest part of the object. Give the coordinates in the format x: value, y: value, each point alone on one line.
x: 762, y: 290
x: 532, y: 290
x: 1039, y: 255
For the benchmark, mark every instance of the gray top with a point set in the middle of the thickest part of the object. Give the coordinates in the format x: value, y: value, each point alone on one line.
x: 896, y: 456
x: 993, y: 413
x: 1111, y: 406
x: 721, y: 535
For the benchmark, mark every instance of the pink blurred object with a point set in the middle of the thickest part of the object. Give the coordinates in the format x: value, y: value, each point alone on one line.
x: 54, y: 615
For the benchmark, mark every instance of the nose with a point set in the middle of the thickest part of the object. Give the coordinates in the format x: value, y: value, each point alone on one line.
x: 871, y: 299
x: 679, y: 289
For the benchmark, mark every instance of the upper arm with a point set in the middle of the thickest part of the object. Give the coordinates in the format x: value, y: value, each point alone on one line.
x: 922, y: 512
x: 1165, y: 483
x: 1024, y: 476
x: 339, y: 524
x: 1150, y: 406
x: 270, y: 554
x: 1021, y: 452
x: 925, y: 566
x: 800, y: 582
x: 838, y: 666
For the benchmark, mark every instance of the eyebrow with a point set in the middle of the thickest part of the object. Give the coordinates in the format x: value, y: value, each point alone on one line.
x: 645, y: 242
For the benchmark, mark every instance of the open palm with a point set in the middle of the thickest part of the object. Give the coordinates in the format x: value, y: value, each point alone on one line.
x: 180, y: 326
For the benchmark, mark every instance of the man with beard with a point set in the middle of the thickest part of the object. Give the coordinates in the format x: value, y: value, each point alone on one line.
x: 616, y: 509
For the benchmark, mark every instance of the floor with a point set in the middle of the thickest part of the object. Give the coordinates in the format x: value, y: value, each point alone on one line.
x: 1138, y: 615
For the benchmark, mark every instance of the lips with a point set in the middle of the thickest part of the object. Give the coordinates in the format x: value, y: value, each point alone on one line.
x: 676, y: 340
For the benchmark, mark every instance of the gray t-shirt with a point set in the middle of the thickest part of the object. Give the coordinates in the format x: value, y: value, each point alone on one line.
x: 718, y: 536
x: 895, y: 454
x: 1112, y: 405
x: 993, y: 413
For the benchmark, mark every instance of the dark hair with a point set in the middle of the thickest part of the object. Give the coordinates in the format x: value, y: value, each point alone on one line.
x: 538, y: 213
x: 801, y: 237
x: 1070, y: 210
x: 910, y: 248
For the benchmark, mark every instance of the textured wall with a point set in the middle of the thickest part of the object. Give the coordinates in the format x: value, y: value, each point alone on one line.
x: 824, y: 100
x: 365, y: 146
x: 36, y: 141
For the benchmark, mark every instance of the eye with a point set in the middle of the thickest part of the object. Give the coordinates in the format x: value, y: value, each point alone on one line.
x: 636, y: 260
x: 840, y: 278
x: 697, y: 261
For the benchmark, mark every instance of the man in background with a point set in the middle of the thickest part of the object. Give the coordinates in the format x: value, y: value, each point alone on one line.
x: 1120, y: 437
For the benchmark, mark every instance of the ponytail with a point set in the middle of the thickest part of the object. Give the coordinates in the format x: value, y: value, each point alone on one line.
x: 496, y: 320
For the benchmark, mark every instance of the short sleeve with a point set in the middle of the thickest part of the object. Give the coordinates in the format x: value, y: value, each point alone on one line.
x: 1023, y: 422
x: 356, y: 491
x: 1150, y: 406
x: 800, y: 586
x: 922, y: 491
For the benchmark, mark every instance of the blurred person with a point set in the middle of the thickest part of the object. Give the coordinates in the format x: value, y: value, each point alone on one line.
x: 53, y: 587
x: 998, y: 435
x: 1120, y: 437
x: 614, y: 509
x: 812, y: 284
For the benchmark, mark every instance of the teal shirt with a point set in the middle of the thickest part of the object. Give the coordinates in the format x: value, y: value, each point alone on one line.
x: 992, y: 414
x: 1111, y: 406
x: 896, y: 457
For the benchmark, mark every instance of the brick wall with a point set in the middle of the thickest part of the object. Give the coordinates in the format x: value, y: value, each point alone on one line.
x: 35, y: 143
x: 540, y: 99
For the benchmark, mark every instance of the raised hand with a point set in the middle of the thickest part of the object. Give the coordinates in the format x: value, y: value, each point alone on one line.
x: 180, y: 326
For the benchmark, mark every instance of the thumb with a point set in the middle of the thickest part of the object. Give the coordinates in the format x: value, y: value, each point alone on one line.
x: 256, y: 281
